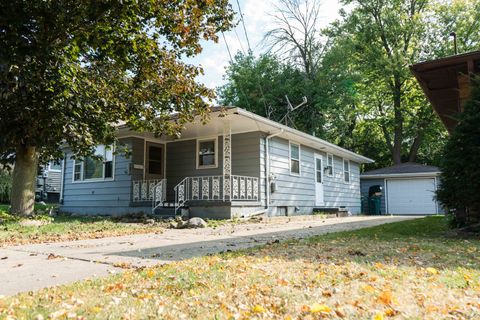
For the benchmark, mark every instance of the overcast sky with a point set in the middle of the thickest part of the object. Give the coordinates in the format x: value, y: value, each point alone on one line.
x: 258, y: 20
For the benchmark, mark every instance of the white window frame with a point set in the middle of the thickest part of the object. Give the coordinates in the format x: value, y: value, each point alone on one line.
x: 82, y: 171
x: 198, y: 166
x: 345, y: 171
x: 299, y: 158
x: 329, y: 155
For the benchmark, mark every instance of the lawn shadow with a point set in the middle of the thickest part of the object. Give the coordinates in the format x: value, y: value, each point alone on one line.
x: 404, y: 243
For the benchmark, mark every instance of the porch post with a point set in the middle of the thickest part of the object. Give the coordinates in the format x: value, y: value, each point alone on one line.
x: 227, y: 160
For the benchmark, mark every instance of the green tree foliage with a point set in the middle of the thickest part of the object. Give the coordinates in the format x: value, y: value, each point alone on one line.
x: 71, y: 70
x: 460, y: 180
x: 386, y: 37
x: 5, y: 185
x: 260, y: 85
x: 361, y: 93
x: 444, y: 17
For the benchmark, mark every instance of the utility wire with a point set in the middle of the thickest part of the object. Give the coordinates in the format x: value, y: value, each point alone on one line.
x: 231, y: 62
x: 240, y: 42
x: 243, y: 24
x: 228, y: 48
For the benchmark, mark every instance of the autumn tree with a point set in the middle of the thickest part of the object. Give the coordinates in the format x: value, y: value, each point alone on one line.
x: 71, y: 70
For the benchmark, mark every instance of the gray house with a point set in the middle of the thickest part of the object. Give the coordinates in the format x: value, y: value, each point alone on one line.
x: 238, y: 164
x: 49, y: 182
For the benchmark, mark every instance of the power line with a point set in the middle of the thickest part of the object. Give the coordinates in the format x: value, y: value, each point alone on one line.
x: 228, y: 48
x: 243, y: 24
x: 240, y: 42
x: 231, y: 62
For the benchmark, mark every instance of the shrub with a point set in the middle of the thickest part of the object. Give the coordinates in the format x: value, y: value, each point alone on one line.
x: 5, y: 186
x: 460, y: 185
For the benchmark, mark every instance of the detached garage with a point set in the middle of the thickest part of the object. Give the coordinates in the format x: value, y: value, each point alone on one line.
x: 407, y: 189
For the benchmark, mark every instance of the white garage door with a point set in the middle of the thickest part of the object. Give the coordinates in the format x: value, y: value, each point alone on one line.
x: 411, y: 196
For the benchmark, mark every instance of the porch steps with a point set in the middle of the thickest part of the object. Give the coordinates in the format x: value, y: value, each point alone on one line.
x: 165, y: 211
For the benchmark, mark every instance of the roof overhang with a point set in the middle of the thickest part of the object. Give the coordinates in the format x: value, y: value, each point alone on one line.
x: 401, y: 175
x: 241, y: 121
x: 442, y: 79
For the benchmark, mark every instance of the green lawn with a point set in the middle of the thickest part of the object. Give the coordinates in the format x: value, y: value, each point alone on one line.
x: 406, y: 270
x: 63, y: 228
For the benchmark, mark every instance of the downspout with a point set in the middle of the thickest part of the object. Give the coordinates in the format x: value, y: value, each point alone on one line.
x: 267, y: 167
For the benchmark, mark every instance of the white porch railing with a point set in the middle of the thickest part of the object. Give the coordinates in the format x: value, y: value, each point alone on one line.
x: 220, y: 188
x: 159, y: 194
x: 144, y: 190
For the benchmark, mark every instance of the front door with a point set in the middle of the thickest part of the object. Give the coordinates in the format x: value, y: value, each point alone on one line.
x: 154, y: 157
x: 319, y: 201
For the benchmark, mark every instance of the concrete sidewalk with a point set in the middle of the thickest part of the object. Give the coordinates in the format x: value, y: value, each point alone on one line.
x: 32, y: 267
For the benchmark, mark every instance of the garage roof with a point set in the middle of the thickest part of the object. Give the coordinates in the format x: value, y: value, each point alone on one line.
x: 408, y: 169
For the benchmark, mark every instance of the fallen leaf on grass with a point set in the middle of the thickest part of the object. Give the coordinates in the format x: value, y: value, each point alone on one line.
x: 378, y: 316
x: 390, y: 312
x: 432, y: 270
x: 385, y: 297
x: 123, y: 265
x: 258, y: 309
x: 52, y: 256
x: 320, y: 308
x: 368, y: 288
x: 356, y: 253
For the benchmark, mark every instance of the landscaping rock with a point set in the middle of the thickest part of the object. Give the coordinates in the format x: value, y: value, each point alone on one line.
x: 149, y: 221
x: 173, y: 225
x: 33, y: 223
x: 196, y: 223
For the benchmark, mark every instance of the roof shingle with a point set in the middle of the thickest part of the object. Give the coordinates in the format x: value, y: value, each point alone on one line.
x: 404, y: 168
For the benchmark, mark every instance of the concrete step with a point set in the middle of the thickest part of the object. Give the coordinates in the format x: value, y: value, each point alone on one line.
x: 165, y: 211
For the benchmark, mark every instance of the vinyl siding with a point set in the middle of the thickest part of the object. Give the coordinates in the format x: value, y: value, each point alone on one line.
x: 299, y: 190
x: 98, y: 197
x: 52, y: 181
x: 181, y: 159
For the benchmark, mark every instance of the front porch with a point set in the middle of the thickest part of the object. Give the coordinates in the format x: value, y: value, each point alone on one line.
x: 213, y: 196
x: 211, y: 171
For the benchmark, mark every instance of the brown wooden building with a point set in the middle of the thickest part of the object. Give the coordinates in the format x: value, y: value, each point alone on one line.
x: 446, y: 83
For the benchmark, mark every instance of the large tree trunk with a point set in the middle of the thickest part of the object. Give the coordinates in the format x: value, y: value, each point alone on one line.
x: 24, y: 180
x: 398, y: 124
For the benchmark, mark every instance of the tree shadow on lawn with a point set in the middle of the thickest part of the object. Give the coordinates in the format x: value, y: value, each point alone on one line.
x: 419, y: 242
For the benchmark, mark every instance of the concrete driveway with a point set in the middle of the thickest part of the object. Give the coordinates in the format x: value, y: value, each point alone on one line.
x: 32, y: 267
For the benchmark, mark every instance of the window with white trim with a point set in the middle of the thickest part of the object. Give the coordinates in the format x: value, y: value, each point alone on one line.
x: 207, y: 153
x: 98, y: 167
x: 329, y: 167
x: 294, y: 158
x: 346, y: 170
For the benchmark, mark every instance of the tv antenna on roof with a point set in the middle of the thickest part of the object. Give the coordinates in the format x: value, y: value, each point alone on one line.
x: 287, y: 120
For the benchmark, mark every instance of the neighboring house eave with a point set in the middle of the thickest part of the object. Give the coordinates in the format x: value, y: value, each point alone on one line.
x: 445, y: 82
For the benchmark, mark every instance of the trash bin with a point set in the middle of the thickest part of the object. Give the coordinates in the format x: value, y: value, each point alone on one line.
x: 374, y: 200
